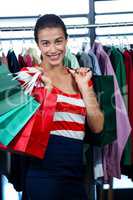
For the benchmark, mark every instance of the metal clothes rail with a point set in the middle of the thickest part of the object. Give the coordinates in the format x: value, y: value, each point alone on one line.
x: 78, y: 26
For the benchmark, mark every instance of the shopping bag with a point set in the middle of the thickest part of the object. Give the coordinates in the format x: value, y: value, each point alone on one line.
x: 33, y: 138
x: 4, y: 69
x: 20, y: 142
x: 8, y: 85
x: 13, y: 121
x: 11, y: 93
x: 104, y: 88
x: 2, y: 147
x: 13, y: 101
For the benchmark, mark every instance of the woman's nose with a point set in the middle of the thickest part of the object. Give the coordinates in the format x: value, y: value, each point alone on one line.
x: 52, y: 48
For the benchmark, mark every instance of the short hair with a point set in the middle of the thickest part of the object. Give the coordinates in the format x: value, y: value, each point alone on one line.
x: 49, y: 21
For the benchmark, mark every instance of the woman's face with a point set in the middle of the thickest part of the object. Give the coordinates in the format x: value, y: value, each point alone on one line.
x: 52, y: 44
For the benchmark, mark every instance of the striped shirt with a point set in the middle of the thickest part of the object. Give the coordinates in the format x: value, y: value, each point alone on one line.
x: 69, y: 118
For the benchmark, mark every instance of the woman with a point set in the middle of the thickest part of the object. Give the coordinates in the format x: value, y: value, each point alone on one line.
x: 59, y: 176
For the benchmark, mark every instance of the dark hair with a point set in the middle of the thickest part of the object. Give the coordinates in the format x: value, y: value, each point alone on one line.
x: 47, y: 21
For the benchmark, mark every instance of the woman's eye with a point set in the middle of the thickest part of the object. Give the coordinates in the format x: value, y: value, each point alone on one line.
x: 58, y: 42
x: 45, y: 44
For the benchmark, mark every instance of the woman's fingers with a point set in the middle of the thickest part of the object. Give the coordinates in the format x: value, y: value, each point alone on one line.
x: 72, y: 71
x: 81, y: 71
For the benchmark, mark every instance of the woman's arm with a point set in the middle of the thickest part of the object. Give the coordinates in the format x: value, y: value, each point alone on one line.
x: 95, y: 117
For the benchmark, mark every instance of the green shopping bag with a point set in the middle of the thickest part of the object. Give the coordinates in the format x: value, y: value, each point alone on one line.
x: 104, y: 88
x: 4, y: 69
x: 8, y: 86
x: 13, y: 101
x: 14, y: 120
x: 11, y: 93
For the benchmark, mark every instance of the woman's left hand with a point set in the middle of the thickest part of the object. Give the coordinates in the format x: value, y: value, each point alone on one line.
x: 82, y: 76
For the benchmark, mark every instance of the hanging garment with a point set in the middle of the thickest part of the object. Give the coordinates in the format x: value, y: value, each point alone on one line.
x: 129, y: 75
x: 104, y: 88
x: 113, y: 152
x: 119, y: 67
x: 18, y: 169
x: 127, y: 164
x: 85, y: 60
x: 96, y: 67
x: 32, y: 52
x: 97, y: 151
x: 89, y: 60
x: 12, y: 62
x: 117, y: 61
x: 28, y: 60
x: 3, y: 59
x: 70, y: 60
x: 21, y: 61
x: 25, y: 60
x: 5, y: 162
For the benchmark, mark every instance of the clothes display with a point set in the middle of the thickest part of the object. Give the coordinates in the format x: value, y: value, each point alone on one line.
x: 106, y: 169
x: 32, y: 154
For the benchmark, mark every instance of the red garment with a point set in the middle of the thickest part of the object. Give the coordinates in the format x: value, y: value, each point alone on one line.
x: 21, y: 61
x: 28, y: 60
x: 128, y: 60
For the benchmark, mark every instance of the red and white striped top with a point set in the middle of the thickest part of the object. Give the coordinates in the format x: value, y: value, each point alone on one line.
x: 69, y: 118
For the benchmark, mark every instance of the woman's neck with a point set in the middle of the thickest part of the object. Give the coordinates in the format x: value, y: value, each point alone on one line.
x: 53, y: 69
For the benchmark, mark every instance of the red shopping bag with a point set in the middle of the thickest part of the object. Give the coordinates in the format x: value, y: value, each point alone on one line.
x: 33, y: 138
x: 2, y: 147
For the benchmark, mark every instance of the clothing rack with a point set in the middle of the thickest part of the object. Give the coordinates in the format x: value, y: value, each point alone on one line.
x: 80, y: 26
x: 104, y: 25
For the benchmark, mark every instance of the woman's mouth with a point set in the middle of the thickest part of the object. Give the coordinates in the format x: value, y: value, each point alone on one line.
x: 54, y: 57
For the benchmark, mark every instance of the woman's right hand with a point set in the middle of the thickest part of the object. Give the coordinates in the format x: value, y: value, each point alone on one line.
x: 45, y: 79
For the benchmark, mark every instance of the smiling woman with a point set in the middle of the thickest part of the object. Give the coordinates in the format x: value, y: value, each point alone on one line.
x: 51, y: 38
x: 61, y: 170
x: 52, y: 45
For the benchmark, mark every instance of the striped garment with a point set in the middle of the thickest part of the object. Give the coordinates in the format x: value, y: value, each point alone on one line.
x: 69, y: 118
